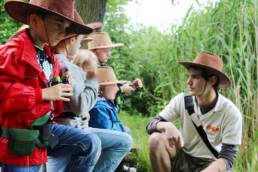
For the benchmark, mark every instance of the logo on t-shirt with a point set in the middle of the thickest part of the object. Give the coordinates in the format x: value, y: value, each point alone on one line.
x: 214, y: 129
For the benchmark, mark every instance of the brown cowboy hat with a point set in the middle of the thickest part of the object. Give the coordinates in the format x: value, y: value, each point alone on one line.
x: 212, y: 63
x: 78, y: 19
x: 64, y: 8
x: 106, y: 76
x: 101, y: 40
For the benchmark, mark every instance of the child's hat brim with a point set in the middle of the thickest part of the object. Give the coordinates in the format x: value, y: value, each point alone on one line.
x: 18, y: 11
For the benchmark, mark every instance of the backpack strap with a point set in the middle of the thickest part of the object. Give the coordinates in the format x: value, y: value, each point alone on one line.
x: 189, y: 105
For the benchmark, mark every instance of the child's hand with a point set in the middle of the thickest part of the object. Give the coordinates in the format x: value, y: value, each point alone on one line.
x: 70, y: 77
x: 57, y: 92
x: 87, y: 115
x: 91, y: 69
x: 126, y: 88
x: 126, y: 129
x: 138, y: 83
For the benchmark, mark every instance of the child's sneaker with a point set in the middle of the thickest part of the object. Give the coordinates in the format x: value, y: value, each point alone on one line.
x: 129, y: 169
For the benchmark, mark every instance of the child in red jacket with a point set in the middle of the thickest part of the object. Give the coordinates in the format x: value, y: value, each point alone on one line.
x: 29, y: 101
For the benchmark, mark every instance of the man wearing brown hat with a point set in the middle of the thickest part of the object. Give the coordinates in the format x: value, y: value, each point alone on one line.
x: 210, y: 124
x: 29, y: 100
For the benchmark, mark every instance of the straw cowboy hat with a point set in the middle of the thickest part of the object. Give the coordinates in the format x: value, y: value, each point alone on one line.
x: 212, y: 63
x: 101, y: 40
x: 106, y: 76
x: 78, y: 19
x: 18, y: 10
x: 86, y: 40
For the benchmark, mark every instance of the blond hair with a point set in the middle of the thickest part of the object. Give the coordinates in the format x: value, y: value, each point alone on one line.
x: 84, y: 56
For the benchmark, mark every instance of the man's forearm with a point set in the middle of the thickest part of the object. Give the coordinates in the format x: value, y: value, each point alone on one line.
x: 152, y: 124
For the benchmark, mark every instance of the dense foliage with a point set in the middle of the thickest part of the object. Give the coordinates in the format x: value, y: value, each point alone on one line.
x: 228, y: 30
x: 7, y: 25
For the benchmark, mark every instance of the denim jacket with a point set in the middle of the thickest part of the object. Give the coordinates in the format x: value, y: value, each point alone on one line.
x: 104, y: 115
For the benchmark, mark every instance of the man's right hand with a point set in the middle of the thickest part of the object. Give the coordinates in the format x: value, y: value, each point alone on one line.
x: 57, y: 92
x: 173, y: 135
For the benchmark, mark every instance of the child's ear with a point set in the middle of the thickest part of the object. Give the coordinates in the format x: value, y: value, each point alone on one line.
x: 34, y: 19
x: 71, y: 40
x: 101, y: 90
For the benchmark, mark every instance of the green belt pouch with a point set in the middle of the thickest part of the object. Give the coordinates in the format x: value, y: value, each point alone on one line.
x: 22, y: 141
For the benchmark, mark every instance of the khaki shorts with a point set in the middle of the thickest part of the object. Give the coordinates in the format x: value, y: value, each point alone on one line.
x: 186, y: 163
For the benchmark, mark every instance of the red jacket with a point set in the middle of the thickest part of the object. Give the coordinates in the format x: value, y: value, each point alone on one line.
x: 21, y: 83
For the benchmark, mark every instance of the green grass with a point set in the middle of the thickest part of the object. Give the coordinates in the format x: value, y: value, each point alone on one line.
x: 137, y: 124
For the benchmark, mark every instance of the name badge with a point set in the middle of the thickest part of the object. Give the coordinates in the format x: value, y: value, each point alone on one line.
x: 196, y: 120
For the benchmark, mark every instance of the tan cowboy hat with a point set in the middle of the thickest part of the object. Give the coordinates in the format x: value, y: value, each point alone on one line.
x: 106, y: 76
x: 212, y: 63
x: 78, y: 19
x: 86, y: 40
x: 18, y: 11
x: 101, y: 40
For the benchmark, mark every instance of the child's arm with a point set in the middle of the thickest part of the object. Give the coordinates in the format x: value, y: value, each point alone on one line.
x: 17, y: 91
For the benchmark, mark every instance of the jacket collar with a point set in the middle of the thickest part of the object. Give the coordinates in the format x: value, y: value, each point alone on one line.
x: 29, y: 54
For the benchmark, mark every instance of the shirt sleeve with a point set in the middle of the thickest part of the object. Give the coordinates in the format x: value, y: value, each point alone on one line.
x: 152, y: 124
x: 84, y: 97
x: 172, y: 110
x: 229, y: 154
x: 232, y: 130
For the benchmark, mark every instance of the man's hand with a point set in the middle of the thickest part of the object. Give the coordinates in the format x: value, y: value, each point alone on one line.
x: 57, y: 92
x: 171, y: 132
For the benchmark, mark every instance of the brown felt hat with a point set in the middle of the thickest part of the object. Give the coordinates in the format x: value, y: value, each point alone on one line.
x: 212, y: 63
x: 78, y: 19
x: 101, y: 40
x: 106, y: 76
x: 18, y: 10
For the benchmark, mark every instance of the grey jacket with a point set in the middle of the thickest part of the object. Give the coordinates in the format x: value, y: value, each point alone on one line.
x: 85, y: 91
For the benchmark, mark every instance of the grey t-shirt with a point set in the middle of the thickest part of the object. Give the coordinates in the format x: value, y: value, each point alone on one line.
x: 85, y: 91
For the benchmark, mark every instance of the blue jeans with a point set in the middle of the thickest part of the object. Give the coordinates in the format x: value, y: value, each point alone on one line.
x: 115, y: 145
x: 83, y: 148
x: 17, y: 168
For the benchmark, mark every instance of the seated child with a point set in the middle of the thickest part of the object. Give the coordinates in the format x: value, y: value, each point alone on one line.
x: 104, y: 113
